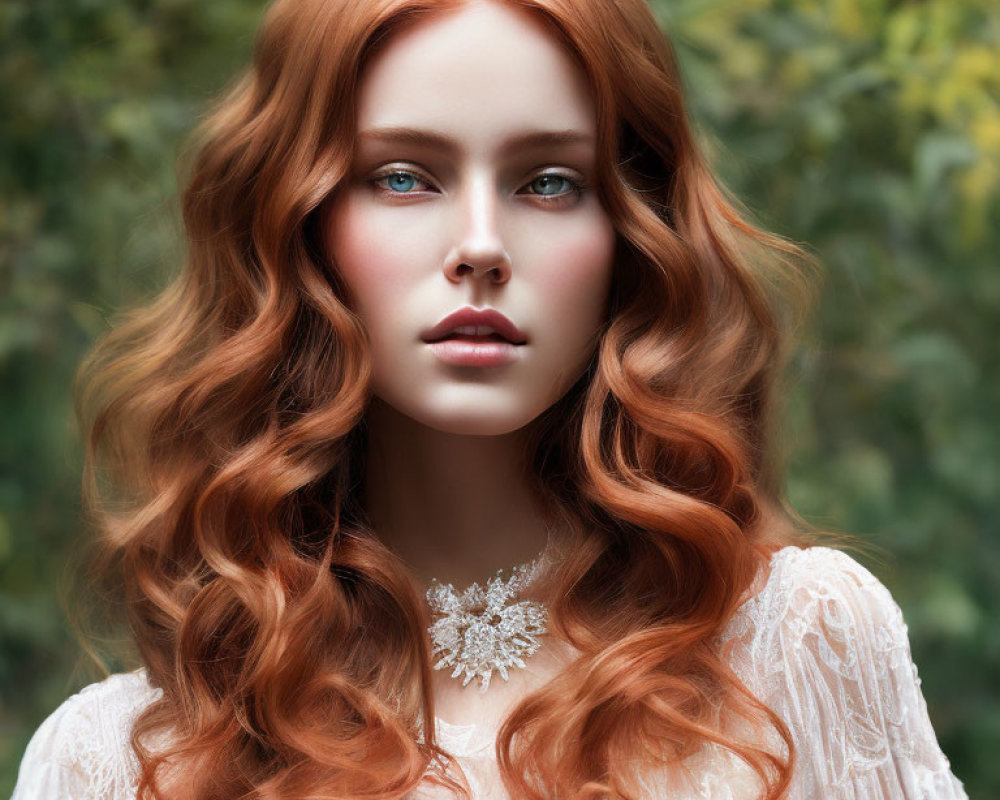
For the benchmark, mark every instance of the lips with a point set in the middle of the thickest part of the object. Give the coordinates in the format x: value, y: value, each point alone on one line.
x: 475, y: 324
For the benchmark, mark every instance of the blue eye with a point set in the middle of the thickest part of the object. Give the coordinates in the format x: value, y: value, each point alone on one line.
x: 400, y: 181
x: 396, y: 181
x: 549, y: 185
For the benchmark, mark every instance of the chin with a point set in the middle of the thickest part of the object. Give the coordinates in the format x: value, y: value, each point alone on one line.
x: 464, y: 413
x: 474, y: 422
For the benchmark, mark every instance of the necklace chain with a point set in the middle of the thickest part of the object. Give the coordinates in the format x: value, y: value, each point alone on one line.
x: 482, y: 630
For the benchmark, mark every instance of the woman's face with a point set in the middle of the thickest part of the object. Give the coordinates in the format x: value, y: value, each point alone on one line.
x: 472, y: 187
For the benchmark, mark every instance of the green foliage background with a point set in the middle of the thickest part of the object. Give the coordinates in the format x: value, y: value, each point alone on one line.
x: 869, y: 129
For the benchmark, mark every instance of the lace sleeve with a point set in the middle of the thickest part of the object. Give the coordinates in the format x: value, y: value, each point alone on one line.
x: 837, y: 668
x: 82, y: 750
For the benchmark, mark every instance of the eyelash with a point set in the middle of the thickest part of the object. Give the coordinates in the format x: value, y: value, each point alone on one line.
x: 575, y: 191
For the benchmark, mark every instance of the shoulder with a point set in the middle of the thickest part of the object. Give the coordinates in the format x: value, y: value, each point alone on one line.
x: 822, y: 584
x: 825, y: 646
x: 814, y: 601
x: 797, y: 580
x: 800, y: 583
x: 82, y: 749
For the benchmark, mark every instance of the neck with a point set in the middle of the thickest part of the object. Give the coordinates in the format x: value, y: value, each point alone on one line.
x: 454, y: 507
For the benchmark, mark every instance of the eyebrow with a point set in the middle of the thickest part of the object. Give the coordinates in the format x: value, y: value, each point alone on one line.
x: 434, y: 139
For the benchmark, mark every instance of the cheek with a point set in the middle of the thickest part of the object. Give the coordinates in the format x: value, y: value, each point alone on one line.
x: 373, y: 256
x: 579, y: 261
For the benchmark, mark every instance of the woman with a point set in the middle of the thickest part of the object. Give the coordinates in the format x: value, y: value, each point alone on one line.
x: 463, y: 299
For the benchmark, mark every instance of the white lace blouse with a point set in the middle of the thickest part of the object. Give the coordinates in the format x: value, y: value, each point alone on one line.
x: 822, y: 643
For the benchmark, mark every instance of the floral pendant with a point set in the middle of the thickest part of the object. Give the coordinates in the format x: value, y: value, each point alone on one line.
x: 482, y: 630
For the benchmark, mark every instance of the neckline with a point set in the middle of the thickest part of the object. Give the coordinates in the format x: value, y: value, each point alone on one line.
x: 470, y: 732
x: 464, y: 740
x: 759, y: 588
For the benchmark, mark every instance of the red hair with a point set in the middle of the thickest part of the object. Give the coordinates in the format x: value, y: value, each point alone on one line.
x: 224, y: 450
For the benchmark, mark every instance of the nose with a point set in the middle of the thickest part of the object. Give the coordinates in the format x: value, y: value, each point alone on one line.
x: 479, y: 248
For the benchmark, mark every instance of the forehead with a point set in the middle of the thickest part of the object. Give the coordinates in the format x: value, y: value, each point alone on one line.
x: 476, y: 73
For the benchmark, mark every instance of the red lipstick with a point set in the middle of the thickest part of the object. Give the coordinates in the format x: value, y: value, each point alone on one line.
x: 471, y: 337
x: 480, y: 318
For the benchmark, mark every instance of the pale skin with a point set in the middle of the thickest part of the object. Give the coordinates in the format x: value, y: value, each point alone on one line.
x: 422, y: 229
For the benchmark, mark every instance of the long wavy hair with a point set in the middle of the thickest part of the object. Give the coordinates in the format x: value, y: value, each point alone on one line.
x: 225, y: 445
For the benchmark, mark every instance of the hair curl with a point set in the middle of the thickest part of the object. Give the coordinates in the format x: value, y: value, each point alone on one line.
x: 225, y: 446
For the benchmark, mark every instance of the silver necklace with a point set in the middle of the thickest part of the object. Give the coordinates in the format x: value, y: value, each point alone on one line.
x: 482, y: 630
